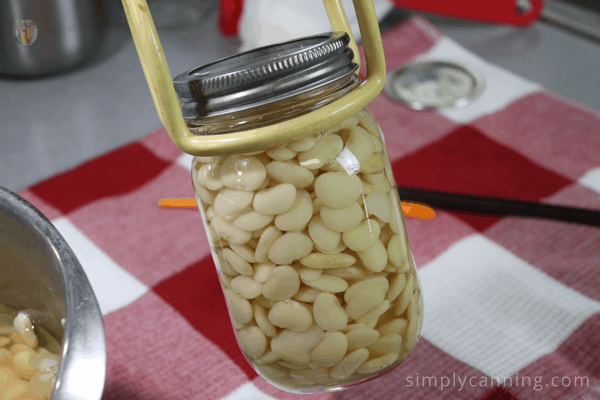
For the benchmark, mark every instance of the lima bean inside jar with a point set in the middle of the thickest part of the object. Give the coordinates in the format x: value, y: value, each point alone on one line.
x: 308, y: 237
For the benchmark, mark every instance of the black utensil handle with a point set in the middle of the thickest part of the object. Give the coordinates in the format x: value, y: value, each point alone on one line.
x: 500, y: 206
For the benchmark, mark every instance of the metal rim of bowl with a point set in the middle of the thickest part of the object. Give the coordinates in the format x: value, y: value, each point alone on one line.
x: 84, y: 345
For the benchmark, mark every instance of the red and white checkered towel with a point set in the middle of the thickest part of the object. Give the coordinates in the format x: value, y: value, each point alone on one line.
x: 512, y: 306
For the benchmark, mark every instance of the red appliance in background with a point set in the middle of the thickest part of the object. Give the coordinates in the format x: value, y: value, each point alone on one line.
x: 230, y: 12
x: 510, y: 12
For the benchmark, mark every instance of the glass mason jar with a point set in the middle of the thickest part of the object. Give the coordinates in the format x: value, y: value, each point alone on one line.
x: 308, y: 237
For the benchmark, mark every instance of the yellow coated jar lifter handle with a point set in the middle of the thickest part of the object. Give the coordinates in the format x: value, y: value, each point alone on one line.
x: 161, y: 86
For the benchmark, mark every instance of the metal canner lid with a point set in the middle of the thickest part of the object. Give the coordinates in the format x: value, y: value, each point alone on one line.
x: 264, y: 75
x: 433, y: 84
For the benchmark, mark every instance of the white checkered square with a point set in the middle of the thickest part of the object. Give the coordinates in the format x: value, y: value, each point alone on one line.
x: 591, y: 179
x: 492, y: 310
x: 113, y: 286
x: 500, y: 86
x: 247, y: 392
x: 185, y: 161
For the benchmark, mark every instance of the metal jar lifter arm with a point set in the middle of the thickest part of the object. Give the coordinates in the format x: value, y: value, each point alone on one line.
x: 161, y: 86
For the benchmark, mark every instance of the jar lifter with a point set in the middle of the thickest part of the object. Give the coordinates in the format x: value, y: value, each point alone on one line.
x: 159, y: 80
x: 161, y: 86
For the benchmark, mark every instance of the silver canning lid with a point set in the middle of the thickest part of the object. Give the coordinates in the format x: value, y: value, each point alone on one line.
x: 264, y: 75
x: 433, y: 84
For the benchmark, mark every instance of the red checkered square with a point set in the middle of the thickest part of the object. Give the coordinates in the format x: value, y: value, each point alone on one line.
x: 499, y: 393
x: 154, y: 353
x: 196, y: 294
x: 478, y: 221
x: 420, y: 377
x: 575, y: 195
x: 428, y: 239
x: 45, y: 208
x: 150, y: 242
x: 111, y: 174
x: 406, y: 130
x: 572, y: 372
x: 549, y: 130
x: 567, y: 252
x: 467, y: 161
x: 406, y: 41
x: 159, y: 143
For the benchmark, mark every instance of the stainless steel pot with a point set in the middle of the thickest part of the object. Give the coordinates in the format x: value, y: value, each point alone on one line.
x: 40, y: 274
x: 48, y: 36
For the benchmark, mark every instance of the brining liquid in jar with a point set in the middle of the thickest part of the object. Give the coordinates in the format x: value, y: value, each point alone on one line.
x: 308, y: 236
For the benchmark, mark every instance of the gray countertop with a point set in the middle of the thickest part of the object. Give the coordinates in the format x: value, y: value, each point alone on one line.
x: 51, y: 124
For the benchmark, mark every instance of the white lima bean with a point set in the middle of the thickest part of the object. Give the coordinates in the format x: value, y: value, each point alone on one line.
x: 328, y: 312
x: 244, y: 173
x: 285, y: 172
x: 282, y: 283
x: 229, y: 201
x: 208, y: 176
x: 349, y: 364
x: 281, y: 153
x: 377, y: 364
x: 363, y: 236
x: 250, y: 220
x: 391, y: 343
x: 361, y: 337
x: 246, y: 252
x: 253, y: 341
x: 307, y: 294
x: 262, y: 271
x: 238, y: 263
x: 325, y: 150
x: 328, y: 283
x: 314, y: 262
x: 229, y: 232
x: 246, y: 287
x: 340, y: 247
x: 375, y: 257
x: 290, y: 314
x: 295, y: 347
x: 342, y: 219
x: 262, y: 320
x: 337, y: 189
x: 308, y: 274
x: 327, y: 261
x: 266, y: 240
x: 275, y: 200
x: 298, y: 215
x: 28, y: 369
x: 375, y: 313
x: 364, y: 301
x: 330, y: 350
x: 397, y: 325
x: 290, y: 247
x: 321, y: 235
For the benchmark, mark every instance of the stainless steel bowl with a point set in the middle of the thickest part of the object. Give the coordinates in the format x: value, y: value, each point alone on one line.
x: 49, y: 36
x: 41, y: 275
